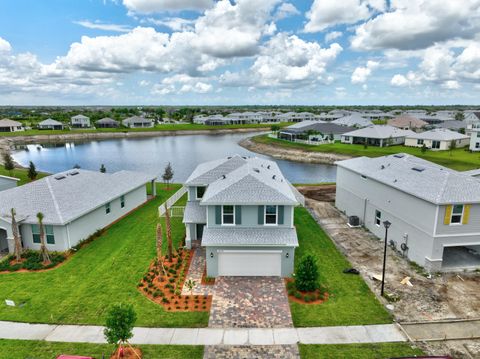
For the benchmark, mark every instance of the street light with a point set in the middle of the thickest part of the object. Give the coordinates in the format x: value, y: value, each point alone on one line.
x: 386, y: 224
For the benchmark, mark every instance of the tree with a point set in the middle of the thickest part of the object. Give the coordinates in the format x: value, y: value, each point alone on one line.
x: 103, y: 168
x: 8, y: 162
x: 459, y: 116
x: 424, y: 148
x: 168, y: 174
x: 306, y: 276
x: 365, y: 144
x: 119, y: 325
x: 275, y: 128
x: 43, y: 245
x: 453, y: 146
x: 159, y: 241
x: 169, y: 234
x: 16, y: 237
x: 32, y: 171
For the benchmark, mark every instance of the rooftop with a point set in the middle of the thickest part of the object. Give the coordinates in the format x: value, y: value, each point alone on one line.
x: 380, y: 131
x: 439, y: 134
x: 9, y: 123
x: 407, y: 121
x: 263, y: 236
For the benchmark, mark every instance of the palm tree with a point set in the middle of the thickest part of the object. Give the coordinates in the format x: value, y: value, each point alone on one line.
x: 16, y: 237
x: 43, y: 246
x: 169, y: 234
x: 159, y: 241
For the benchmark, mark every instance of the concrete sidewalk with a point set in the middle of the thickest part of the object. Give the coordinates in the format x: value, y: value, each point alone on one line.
x: 209, y: 336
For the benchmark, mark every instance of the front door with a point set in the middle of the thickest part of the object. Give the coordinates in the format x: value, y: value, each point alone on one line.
x: 3, y: 241
x: 200, y: 230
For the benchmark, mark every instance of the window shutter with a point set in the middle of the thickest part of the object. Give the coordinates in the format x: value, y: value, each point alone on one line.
x: 238, y: 215
x: 260, y: 214
x: 218, y: 214
x: 466, y: 214
x: 281, y: 209
x: 448, y: 214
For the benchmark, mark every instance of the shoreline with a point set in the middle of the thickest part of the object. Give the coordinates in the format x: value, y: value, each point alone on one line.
x: 291, y: 154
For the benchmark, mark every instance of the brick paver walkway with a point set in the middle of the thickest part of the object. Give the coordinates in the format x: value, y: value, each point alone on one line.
x: 251, y: 352
x: 195, y: 273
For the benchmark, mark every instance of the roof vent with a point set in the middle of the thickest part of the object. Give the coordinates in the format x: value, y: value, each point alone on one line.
x: 399, y: 155
x: 59, y: 177
x: 73, y: 173
x: 268, y: 166
x: 418, y: 169
x: 273, y: 177
x: 223, y: 176
x: 256, y: 170
x: 382, y: 167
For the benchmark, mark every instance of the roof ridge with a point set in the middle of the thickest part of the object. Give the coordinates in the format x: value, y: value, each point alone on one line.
x: 55, y: 203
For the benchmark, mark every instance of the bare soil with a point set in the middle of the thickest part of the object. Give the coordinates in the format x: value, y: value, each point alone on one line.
x: 128, y: 353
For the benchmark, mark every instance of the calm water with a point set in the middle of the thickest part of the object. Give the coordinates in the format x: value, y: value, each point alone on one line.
x: 151, y: 154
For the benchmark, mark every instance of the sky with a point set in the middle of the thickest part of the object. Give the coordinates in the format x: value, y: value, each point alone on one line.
x: 239, y: 52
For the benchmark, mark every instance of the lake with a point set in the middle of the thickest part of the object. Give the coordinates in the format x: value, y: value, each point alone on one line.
x: 151, y: 154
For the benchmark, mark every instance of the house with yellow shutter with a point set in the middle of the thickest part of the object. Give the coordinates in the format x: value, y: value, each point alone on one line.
x: 434, y: 211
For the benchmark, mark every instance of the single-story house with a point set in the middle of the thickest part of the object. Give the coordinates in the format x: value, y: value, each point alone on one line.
x: 313, y: 131
x: 406, y: 122
x: 75, y: 204
x: 353, y: 120
x: 7, y: 125
x: 137, y: 122
x: 80, y: 121
x: 377, y: 135
x: 50, y: 124
x: 7, y: 182
x: 241, y: 210
x: 437, y: 139
x: 106, y: 122
x: 434, y: 211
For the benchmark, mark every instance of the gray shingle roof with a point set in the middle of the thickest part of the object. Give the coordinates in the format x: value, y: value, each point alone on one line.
x: 6, y: 122
x: 433, y: 183
x: 82, y: 117
x: 107, y: 120
x: 194, y: 213
x: 208, y: 172
x: 353, y: 120
x: 439, y: 134
x: 50, y: 122
x: 322, y: 127
x: 63, y: 200
x: 380, y: 131
x: 236, y: 236
x: 407, y: 121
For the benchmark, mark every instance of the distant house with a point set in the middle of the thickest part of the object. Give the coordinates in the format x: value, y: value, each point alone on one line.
x: 50, y: 124
x: 106, y: 122
x: 137, y: 122
x: 353, y: 120
x: 8, y: 182
x: 377, y: 135
x: 241, y: 211
x: 75, y: 204
x: 313, y: 131
x: 406, y: 122
x: 434, y: 211
x: 437, y: 139
x: 7, y: 125
x: 475, y: 138
x: 80, y: 121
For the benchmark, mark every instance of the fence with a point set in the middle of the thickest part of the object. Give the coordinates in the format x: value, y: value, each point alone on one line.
x: 171, y: 201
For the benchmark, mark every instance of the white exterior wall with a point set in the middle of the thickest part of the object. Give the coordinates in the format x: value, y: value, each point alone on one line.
x: 474, y: 141
x: 444, y: 145
x: 7, y: 183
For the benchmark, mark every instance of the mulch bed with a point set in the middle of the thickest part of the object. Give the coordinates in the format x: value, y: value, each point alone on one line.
x: 318, y: 296
x: 166, y: 288
x: 207, y: 280
x: 31, y: 261
x: 128, y: 353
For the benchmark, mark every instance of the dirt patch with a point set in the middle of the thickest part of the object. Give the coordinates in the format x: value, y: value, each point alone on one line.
x: 127, y: 353
x: 324, y: 193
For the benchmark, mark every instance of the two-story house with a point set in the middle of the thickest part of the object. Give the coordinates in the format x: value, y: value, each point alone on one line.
x: 434, y: 211
x: 80, y: 121
x: 241, y: 210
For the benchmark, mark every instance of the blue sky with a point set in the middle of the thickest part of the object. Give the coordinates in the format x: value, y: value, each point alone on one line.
x: 209, y: 52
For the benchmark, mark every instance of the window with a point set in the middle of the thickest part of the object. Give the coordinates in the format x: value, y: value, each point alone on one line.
x: 36, y: 233
x: 200, y: 192
x: 477, y: 145
x: 346, y: 138
x: 228, y: 215
x: 419, y: 142
x: 122, y: 202
x: 435, y: 144
x: 50, y: 236
x: 378, y: 218
x: 457, y: 214
x: 107, y: 208
x: 270, y: 215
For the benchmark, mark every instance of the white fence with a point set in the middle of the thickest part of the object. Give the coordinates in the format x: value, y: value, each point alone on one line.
x: 171, y: 201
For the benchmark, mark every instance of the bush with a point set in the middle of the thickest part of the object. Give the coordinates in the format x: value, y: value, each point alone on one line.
x: 298, y: 295
x: 306, y: 278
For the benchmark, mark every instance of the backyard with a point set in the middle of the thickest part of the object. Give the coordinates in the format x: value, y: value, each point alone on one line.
x: 458, y: 159
x: 20, y: 173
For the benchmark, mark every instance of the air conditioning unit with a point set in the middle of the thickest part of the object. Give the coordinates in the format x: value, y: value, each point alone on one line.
x: 353, y: 221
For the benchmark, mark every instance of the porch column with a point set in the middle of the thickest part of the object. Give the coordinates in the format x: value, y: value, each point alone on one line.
x: 188, y: 236
x: 11, y: 245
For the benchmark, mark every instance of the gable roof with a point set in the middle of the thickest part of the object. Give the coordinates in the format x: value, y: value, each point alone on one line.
x: 6, y: 122
x: 319, y: 126
x: 208, y: 172
x: 136, y: 119
x: 353, y: 120
x: 65, y: 196
x: 107, y: 120
x: 439, y: 134
x: 80, y: 117
x: 380, y: 131
x: 428, y: 181
x: 407, y: 121
x: 50, y: 122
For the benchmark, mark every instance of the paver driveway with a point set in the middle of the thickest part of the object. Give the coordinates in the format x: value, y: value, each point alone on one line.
x: 241, y: 302
x: 250, y: 352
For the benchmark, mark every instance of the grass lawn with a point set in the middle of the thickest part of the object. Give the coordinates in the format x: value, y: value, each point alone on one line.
x: 21, y: 349
x: 358, y: 351
x: 350, y: 300
x: 20, y: 173
x: 457, y: 159
x: 104, y: 272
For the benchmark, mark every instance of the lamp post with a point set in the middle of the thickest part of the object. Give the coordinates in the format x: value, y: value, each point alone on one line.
x: 386, y: 224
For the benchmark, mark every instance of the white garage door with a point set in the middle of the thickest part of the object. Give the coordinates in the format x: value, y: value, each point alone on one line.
x: 249, y: 263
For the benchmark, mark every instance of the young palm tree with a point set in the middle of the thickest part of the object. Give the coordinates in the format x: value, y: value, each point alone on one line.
x: 159, y: 241
x: 16, y: 237
x: 43, y: 245
x: 169, y: 234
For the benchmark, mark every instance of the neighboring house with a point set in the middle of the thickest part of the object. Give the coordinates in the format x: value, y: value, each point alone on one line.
x: 437, y: 139
x: 80, y: 121
x: 313, y: 131
x: 7, y: 182
x: 353, y: 120
x: 75, y: 204
x: 106, y: 122
x: 7, y: 125
x: 406, y: 122
x: 137, y: 122
x: 459, y: 126
x: 245, y: 117
x: 50, y: 124
x: 377, y: 135
x: 241, y: 210
x: 434, y: 211
x: 474, y: 137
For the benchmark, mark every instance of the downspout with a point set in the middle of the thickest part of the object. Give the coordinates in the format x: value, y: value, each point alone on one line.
x: 365, y: 200
x: 68, y: 235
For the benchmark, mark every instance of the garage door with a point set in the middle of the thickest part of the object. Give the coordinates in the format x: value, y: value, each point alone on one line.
x: 249, y: 263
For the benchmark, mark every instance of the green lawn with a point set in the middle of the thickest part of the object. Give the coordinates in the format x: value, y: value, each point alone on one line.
x: 458, y: 159
x: 104, y: 272
x: 22, y: 349
x: 20, y: 173
x: 350, y: 300
x: 358, y: 351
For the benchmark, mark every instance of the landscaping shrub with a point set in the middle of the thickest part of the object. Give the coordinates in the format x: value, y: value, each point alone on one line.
x: 306, y: 278
x: 32, y: 260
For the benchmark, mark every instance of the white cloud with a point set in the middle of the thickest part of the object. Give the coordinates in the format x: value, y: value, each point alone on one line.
x: 451, y: 85
x: 361, y: 74
x: 174, y: 23
x: 5, y: 46
x: 152, y: 6
x: 179, y: 84
x: 333, y: 35
x: 411, y: 79
x: 97, y: 25
x: 326, y: 13
x: 286, y: 10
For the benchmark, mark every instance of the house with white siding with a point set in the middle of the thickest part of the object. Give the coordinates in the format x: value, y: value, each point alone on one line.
x: 137, y: 122
x: 437, y: 139
x: 434, y: 211
x: 377, y: 135
x: 7, y: 125
x: 80, y: 121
